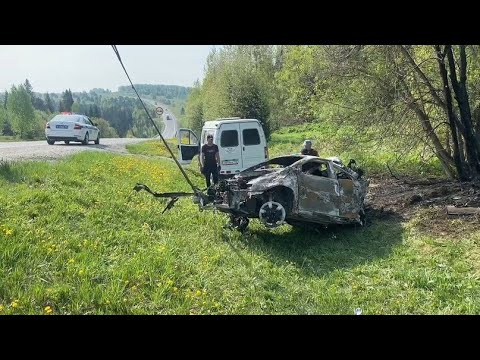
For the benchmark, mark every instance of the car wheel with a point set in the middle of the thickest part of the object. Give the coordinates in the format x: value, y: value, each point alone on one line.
x: 86, y: 140
x: 98, y: 139
x: 274, y: 210
x: 363, y: 217
x: 50, y: 142
x: 67, y: 142
x: 239, y: 223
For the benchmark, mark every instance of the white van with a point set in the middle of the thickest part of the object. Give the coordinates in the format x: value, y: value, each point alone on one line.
x: 241, y: 143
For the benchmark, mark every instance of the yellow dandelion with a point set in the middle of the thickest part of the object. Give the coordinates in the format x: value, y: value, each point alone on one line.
x: 1, y: 307
x: 14, y: 304
x: 198, y: 293
x: 170, y: 282
x: 8, y: 232
x: 175, y: 289
x: 71, y: 261
x: 81, y: 272
x: 48, y: 309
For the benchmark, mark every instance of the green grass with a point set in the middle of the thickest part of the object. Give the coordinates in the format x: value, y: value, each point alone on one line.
x: 4, y: 138
x: 346, y: 143
x: 154, y: 148
x: 76, y: 239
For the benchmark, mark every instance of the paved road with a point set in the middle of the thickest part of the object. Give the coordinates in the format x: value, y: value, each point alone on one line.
x: 40, y: 150
x: 170, y: 126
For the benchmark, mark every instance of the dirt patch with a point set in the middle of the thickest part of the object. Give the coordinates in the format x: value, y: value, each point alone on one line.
x: 404, y: 198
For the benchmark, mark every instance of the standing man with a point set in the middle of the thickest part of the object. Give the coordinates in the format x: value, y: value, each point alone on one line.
x: 210, y: 160
x: 307, y: 148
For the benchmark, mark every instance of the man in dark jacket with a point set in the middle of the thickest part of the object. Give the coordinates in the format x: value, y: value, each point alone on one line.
x: 210, y: 161
x: 307, y: 148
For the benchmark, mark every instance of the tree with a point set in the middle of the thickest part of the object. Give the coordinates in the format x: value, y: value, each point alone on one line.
x: 3, y: 118
x: 5, y: 99
x: 21, y: 110
x: 194, y: 109
x: 238, y: 83
x: 39, y: 104
x: 29, y: 89
x: 106, y: 130
x: 49, y: 103
x: 67, y: 101
x: 76, y: 108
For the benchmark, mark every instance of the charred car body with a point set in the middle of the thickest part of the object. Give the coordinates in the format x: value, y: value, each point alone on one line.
x: 294, y: 189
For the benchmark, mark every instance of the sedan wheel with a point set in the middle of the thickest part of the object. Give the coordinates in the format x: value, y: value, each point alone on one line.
x: 86, y: 140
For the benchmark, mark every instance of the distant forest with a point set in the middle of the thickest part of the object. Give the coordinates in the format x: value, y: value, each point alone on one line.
x: 24, y: 113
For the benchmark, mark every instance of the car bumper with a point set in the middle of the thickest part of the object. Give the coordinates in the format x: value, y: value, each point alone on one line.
x: 64, y: 138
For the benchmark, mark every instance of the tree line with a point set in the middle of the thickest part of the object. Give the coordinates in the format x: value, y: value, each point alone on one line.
x: 406, y: 96
x: 24, y: 113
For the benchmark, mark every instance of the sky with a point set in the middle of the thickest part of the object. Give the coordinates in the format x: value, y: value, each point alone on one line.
x: 54, y: 68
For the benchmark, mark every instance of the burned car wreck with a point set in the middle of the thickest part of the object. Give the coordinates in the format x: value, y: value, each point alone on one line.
x: 294, y: 189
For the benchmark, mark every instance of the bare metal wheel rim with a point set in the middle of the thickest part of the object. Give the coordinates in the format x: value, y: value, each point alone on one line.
x: 272, y: 214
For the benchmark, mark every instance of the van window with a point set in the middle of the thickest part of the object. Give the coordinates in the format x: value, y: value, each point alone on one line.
x: 187, y: 138
x: 251, y: 137
x: 229, y: 138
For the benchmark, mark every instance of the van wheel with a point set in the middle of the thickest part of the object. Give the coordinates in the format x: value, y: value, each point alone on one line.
x: 50, y: 142
x: 67, y: 142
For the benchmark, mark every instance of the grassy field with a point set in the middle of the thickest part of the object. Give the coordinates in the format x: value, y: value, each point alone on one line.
x: 154, y: 148
x: 76, y: 239
x: 344, y: 143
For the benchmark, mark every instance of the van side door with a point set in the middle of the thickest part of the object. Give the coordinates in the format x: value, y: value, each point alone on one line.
x: 188, y: 145
x: 229, y: 148
x: 253, y: 144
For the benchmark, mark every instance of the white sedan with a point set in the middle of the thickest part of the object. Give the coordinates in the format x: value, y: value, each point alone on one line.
x: 71, y: 127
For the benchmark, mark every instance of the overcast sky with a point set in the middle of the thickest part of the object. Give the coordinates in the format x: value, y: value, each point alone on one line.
x: 54, y: 68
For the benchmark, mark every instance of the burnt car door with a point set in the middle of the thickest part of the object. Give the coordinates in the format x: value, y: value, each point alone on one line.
x: 318, y: 191
x: 352, y: 193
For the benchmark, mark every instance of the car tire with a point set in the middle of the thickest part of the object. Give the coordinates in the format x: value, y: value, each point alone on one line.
x: 67, y: 142
x: 239, y: 223
x: 363, y: 218
x: 98, y: 139
x: 86, y: 140
x: 50, y: 142
x: 279, y: 201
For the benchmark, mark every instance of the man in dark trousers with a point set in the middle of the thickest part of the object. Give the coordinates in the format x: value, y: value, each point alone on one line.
x: 210, y: 160
x: 307, y: 148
